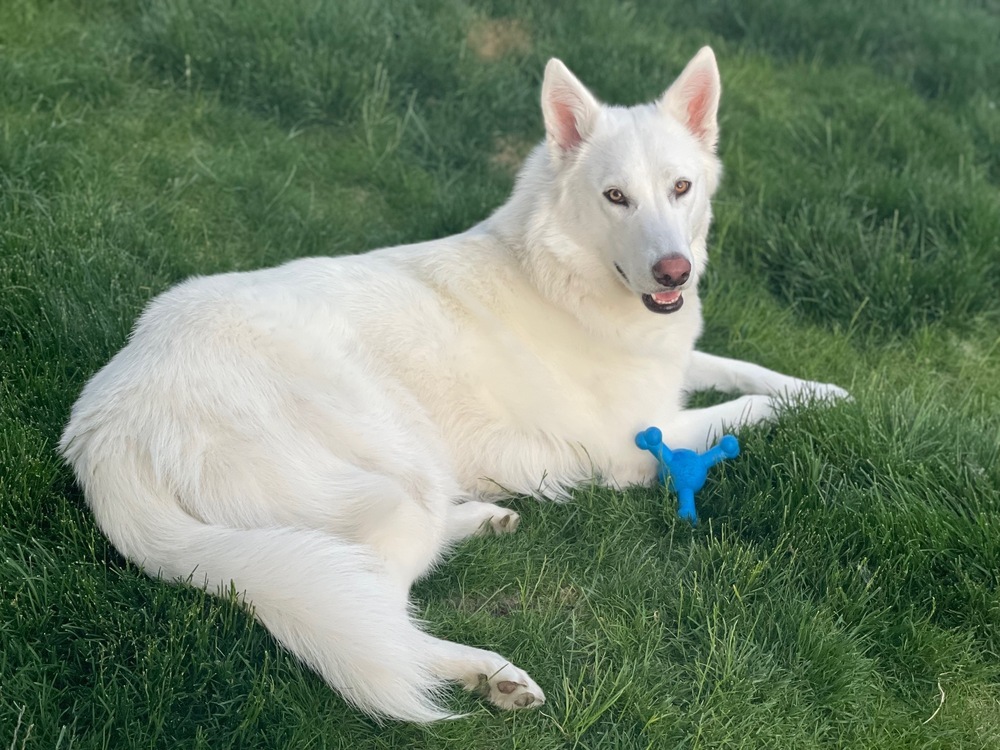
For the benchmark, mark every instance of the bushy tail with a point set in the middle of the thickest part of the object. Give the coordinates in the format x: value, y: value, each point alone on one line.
x: 325, y: 599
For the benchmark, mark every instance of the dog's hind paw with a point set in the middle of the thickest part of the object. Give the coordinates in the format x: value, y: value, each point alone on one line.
x: 487, y: 674
x: 510, y: 688
x: 505, y: 521
x: 476, y: 518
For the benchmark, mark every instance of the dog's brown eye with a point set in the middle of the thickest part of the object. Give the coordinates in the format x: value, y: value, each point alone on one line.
x: 681, y: 187
x: 616, y: 196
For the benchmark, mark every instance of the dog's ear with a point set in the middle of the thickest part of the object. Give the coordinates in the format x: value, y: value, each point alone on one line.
x: 568, y: 108
x: 694, y: 97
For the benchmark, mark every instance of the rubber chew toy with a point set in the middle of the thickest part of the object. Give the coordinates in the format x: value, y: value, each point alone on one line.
x: 687, y: 470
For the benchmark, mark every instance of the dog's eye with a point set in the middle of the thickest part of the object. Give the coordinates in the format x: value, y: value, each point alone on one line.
x: 616, y: 196
x: 681, y: 187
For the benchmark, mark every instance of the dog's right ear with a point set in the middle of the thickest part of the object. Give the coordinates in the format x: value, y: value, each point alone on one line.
x: 568, y: 108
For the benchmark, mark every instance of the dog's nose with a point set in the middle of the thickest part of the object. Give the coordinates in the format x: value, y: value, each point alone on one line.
x: 673, y: 270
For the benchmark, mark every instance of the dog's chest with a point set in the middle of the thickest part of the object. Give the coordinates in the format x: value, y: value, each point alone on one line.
x: 543, y: 373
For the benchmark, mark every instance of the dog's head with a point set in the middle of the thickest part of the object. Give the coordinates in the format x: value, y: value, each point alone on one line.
x: 634, y: 184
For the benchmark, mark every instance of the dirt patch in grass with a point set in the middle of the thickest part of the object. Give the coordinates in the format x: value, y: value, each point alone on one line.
x: 510, y: 152
x: 495, y: 38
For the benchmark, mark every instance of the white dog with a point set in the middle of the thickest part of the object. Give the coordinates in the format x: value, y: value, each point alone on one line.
x: 321, y: 433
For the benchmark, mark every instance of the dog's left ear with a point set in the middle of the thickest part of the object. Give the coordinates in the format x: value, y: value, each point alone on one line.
x: 694, y: 97
x: 568, y: 107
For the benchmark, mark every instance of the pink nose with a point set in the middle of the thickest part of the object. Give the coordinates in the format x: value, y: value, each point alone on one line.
x: 672, y: 270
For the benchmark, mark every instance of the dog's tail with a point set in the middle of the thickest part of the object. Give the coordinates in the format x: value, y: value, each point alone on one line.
x: 325, y: 599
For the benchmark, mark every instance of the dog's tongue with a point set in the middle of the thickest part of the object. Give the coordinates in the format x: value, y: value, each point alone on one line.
x: 666, y: 298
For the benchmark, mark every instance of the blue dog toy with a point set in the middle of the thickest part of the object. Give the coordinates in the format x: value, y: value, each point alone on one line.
x: 687, y: 469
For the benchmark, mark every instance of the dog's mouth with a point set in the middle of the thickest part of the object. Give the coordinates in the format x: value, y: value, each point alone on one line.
x: 663, y: 302
x: 660, y: 302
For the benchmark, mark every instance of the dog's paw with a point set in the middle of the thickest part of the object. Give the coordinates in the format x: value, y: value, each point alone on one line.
x: 510, y: 688
x: 502, y: 521
x: 506, y: 522
x: 811, y: 390
x: 476, y: 518
x: 827, y: 392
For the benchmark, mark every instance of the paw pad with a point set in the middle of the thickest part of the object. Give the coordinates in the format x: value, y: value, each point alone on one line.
x: 507, y: 687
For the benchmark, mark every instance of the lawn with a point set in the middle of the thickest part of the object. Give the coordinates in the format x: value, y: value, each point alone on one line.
x: 842, y: 588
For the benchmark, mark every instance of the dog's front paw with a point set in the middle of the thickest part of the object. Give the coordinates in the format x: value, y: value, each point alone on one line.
x: 827, y: 392
x: 811, y: 390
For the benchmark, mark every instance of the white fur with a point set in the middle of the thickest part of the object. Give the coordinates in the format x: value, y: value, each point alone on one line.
x: 318, y: 433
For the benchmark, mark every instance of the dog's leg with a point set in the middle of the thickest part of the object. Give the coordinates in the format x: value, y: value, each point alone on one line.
x: 696, y: 429
x: 474, y: 517
x: 735, y: 376
x: 485, y: 673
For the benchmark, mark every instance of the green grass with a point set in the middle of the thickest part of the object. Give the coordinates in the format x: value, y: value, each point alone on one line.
x: 845, y: 575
